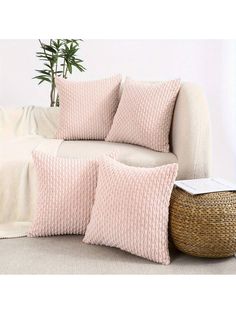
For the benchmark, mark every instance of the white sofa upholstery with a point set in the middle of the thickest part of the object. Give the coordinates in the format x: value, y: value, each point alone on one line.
x: 189, y: 137
x: 24, y: 128
x: 190, y: 133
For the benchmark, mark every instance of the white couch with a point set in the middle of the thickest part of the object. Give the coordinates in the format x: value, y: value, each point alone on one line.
x: 22, y: 129
x: 25, y: 129
x: 189, y: 137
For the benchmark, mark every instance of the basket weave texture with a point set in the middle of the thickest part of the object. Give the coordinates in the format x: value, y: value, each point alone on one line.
x: 204, y: 225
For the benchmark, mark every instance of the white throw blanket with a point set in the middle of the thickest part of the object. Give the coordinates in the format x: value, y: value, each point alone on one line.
x: 19, y: 136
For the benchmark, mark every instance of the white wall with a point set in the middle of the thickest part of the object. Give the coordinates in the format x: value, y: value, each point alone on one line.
x: 210, y: 63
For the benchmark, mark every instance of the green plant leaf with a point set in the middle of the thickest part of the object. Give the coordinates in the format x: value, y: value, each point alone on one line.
x: 48, y: 66
x: 49, y: 48
x: 79, y: 67
x: 46, y: 72
x: 69, y: 66
x: 42, y: 77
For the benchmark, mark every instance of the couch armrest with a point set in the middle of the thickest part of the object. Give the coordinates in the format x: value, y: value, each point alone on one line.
x: 190, y: 133
x: 22, y: 121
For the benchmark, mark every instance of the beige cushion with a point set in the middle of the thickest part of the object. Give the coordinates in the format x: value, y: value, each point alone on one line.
x: 129, y: 154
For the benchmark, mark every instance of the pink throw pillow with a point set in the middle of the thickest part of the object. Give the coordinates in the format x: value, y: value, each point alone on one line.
x: 66, y: 190
x: 87, y: 108
x: 144, y: 114
x: 131, y: 209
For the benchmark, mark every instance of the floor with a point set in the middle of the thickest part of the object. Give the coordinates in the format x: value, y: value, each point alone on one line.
x: 69, y: 255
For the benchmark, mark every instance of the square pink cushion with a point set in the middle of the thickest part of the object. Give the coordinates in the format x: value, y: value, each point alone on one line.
x: 131, y: 209
x: 144, y: 114
x: 87, y: 108
x: 66, y: 190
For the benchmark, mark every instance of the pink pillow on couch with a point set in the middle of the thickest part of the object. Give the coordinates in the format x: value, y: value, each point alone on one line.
x: 66, y: 190
x: 87, y: 108
x: 131, y: 209
x: 144, y: 114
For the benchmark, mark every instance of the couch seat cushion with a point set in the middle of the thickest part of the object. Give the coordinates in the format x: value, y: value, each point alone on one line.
x: 129, y: 154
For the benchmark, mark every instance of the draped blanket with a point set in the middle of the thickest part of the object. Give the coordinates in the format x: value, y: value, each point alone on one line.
x: 22, y: 130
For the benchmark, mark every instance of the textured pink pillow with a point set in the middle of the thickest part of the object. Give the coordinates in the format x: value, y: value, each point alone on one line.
x: 144, y: 114
x: 131, y: 209
x: 66, y: 190
x: 87, y: 108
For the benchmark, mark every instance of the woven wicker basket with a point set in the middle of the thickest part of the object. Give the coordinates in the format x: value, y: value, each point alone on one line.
x: 204, y: 225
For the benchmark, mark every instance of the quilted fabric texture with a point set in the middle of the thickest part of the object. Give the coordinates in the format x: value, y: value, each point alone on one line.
x: 131, y: 209
x: 87, y: 108
x: 66, y: 189
x: 144, y: 114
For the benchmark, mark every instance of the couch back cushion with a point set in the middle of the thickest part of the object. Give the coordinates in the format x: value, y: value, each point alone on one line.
x: 87, y: 108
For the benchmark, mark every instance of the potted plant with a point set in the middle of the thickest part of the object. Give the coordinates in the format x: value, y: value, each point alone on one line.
x: 59, y: 58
